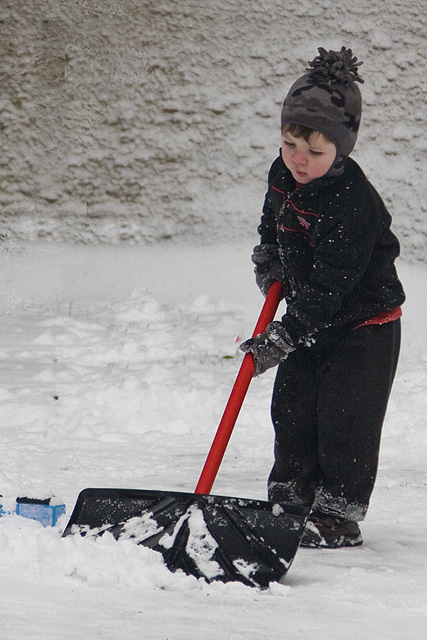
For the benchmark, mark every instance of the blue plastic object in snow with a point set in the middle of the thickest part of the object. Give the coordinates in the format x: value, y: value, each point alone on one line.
x: 41, y: 510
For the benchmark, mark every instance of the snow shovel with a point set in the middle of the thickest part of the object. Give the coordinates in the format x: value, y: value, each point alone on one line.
x: 207, y: 536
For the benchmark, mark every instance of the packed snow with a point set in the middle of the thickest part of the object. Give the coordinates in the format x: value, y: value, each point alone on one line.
x: 116, y: 365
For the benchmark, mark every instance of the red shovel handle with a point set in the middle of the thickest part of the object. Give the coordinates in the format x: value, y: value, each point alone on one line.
x: 237, y: 396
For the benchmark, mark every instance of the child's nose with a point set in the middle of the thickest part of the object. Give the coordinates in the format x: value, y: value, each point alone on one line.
x: 299, y: 157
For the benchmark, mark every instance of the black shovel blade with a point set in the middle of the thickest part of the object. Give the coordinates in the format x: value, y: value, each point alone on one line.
x: 211, y: 537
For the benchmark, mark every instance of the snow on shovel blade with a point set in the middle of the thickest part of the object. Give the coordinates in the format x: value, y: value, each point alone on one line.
x: 208, y: 536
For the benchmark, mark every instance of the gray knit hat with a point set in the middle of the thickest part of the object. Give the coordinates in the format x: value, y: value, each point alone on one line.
x: 328, y: 100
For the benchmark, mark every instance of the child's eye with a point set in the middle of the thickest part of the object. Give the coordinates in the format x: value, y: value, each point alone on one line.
x: 315, y: 153
x: 288, y: 144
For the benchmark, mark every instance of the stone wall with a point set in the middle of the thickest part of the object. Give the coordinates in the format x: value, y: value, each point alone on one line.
x: 142, y: 120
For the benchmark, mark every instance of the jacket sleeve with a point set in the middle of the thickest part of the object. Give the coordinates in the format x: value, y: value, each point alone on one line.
x: 342, y: 254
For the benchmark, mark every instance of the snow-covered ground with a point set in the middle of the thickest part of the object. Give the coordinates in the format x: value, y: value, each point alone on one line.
x: 114, y: 373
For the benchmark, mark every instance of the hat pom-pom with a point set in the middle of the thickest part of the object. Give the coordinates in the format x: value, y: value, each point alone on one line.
x: 335, y: 67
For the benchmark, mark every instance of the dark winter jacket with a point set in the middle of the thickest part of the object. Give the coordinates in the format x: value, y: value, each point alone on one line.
x: 336, y: 248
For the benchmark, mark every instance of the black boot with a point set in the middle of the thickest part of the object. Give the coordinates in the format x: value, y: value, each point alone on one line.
x: 330, y: 532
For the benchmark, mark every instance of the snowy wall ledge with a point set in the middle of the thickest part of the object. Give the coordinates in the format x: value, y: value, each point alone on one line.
x: 138, y: 121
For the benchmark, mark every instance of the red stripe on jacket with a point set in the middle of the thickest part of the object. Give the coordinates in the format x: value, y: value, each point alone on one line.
x: 382, y: 318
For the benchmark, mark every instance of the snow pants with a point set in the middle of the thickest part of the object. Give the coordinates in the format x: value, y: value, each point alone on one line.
x: 328, y: 407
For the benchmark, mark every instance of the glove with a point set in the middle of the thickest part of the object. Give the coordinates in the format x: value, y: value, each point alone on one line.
x: 269, y: 348
x: 268, y: 267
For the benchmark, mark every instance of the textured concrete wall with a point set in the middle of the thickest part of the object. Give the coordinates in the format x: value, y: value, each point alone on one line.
x: 143, y: 120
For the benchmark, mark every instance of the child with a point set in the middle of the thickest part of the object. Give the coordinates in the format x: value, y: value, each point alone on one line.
x: 325, y: 233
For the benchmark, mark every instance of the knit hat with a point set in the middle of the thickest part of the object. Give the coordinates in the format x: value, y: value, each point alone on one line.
x: 328, y: 100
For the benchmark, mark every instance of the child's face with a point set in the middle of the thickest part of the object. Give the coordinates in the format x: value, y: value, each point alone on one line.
x: 308, y: 160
